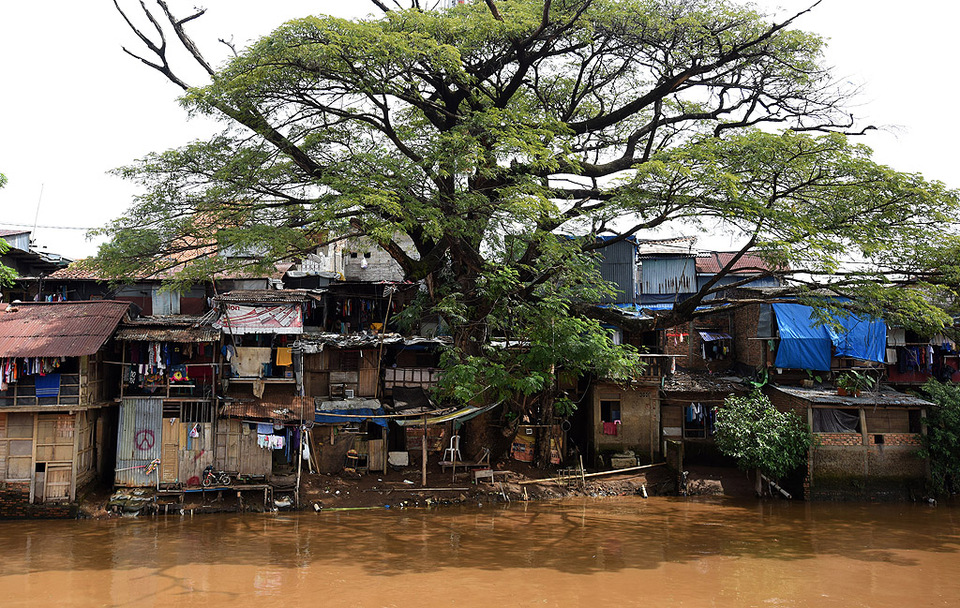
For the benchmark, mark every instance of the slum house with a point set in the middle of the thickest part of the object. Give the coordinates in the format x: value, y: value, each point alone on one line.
x: 688, y: 403
x: 749, y: 270
x: 32, y: 266
x: 264, y: 401
x: 342, y: 380
x: 352, y: 380
x: 866, y: 447
x: 710, y: 343
x: 624, y: 423
x: 56, y: 423
x: 786, y: 342
x: 168, y: 388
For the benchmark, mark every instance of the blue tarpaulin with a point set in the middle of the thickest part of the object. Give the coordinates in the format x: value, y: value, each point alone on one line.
x: 806, y: 345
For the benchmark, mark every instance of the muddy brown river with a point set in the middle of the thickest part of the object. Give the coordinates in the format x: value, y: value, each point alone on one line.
x: 594, y: 553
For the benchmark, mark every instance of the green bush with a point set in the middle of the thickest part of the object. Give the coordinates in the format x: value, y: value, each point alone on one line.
x: 753, y: 432
x: 942, y: 441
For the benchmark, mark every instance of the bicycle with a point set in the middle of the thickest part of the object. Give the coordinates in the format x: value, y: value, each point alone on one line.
x: 212, y: 477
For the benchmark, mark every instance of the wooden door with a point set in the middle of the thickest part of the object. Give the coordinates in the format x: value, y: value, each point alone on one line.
x: 57, y: 486
x: 170, y: 450
x: 228, y: 445
x: 54, y: 457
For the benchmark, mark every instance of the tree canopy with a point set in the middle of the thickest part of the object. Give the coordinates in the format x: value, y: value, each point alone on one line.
x: 503, y: 136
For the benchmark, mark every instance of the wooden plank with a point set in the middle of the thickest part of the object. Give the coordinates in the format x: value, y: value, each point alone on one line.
x: 375, y: 461
x: 367, y: 383
x: 33, y: 458
x: 72, y: 492
x: 254, y: 460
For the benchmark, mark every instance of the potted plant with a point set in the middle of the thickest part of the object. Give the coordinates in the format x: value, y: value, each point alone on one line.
x: 854, y: 382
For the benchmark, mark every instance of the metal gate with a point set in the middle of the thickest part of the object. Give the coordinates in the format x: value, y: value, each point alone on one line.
x: 139, y: 440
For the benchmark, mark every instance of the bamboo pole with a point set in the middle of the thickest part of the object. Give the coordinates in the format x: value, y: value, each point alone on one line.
x: 423, y: 452
x: 599, y: 474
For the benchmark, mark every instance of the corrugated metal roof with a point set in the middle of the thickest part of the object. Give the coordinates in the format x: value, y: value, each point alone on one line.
x: 58, y: 329
x: 168, y: 334
x: 260, y: 296
x: 828, y: 396
x: 167, y: 321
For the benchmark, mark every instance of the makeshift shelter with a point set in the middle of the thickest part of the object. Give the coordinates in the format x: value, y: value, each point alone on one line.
x: 53, y: 425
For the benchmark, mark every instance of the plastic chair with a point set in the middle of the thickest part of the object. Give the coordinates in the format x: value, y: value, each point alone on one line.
x: 452, y: 453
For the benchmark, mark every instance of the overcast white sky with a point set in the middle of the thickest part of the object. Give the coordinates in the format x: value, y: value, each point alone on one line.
x: 73, y: 105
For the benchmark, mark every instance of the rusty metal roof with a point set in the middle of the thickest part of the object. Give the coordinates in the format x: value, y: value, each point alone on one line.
x: 168, y: 334
x: 169, y: 328
x: 79, y: 271
x: 277, y: 404
x: 259, y: 296
x: 58, y: 329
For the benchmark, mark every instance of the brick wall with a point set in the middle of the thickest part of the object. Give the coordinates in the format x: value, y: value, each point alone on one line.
x: 896, y: 439
x: 15, y: 504
x: 676, y: 341
x: 826, y: 439
x: 743, y: 327
x: 788, y: 403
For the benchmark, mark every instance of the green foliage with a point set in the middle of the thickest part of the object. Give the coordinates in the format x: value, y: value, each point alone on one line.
x: 7, y: 274
x: 856, y: 381
x: 941, y: 444
x: 759, y: 436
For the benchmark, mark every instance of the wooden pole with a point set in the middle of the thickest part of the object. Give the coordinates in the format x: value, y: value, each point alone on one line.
x: 423, y: 452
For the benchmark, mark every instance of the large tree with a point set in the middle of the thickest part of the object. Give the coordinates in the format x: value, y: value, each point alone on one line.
x: 502, y: 137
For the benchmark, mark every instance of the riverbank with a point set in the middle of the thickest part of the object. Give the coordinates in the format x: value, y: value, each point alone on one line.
x: 512, y: 482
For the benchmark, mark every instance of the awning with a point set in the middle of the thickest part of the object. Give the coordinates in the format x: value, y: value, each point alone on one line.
x: 713, y: 336
x: 261, y: 319
x: 461, y: 415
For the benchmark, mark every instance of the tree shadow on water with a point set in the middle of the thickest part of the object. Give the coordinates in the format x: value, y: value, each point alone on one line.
x: 569, y: 537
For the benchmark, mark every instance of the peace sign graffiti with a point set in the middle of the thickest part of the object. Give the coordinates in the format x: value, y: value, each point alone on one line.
x: 144, y: 439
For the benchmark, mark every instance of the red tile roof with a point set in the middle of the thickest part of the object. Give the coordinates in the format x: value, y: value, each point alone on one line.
x: 711, y: 263
x: 4, y: 233
x: 58, y: 329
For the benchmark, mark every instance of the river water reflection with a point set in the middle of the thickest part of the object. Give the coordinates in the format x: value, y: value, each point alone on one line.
x: 610, y: 552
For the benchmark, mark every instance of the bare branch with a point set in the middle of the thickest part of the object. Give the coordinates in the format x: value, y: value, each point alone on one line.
x: 230, y: 45
x: 182, y: 35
